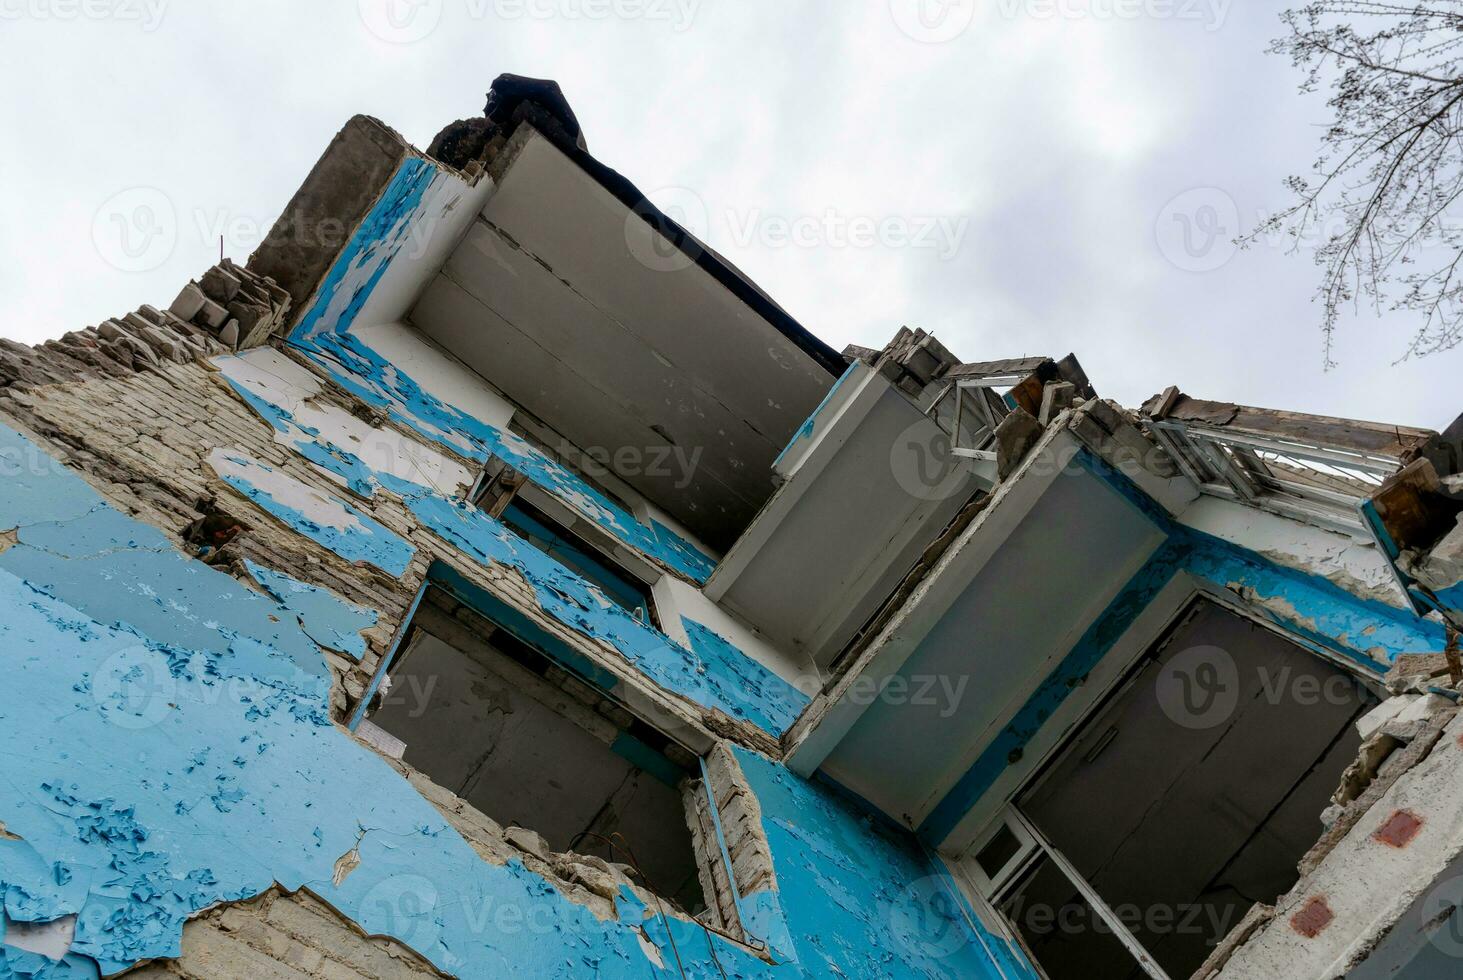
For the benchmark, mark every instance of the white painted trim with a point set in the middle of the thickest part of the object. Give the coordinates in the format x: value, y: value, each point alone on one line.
x: 1110, y: 918
x: 829, y: 436
x: 1073, y: 712
x: 1014, y: 501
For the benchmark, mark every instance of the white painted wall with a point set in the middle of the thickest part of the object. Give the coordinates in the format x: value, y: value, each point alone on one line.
x: 447, y: 210
x: 675, y: 598
x: 1351, y: 562
x: 439, y: 373
x: 275, y: 378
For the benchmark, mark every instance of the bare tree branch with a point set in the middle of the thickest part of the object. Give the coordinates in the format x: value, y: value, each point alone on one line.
x: 1389, y: 174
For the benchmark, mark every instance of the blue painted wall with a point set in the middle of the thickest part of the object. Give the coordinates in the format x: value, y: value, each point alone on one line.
x: 323, y: 334
x: 168, y: 748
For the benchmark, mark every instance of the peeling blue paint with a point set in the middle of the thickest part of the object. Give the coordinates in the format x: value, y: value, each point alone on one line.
x: 810, y: 425
x: 774, y: 699
x: 33, y: 966
x: 380, y: 238
x: 214, y: 730
x: 328, y: 619
x: 720, y: 677
x: 323, y: 334
x: 364, y: 541
x: 140, y: 741
x: 713, y: 673
x: 364, y: 373
x: 865, y: 900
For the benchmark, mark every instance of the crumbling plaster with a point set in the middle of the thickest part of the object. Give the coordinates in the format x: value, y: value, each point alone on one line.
x: 132, y: 849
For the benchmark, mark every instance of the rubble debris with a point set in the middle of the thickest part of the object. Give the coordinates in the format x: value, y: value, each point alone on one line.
x: 237, y: 307
x: 463, y: 142
x: 1015, y: 437
x: 1056, y: 398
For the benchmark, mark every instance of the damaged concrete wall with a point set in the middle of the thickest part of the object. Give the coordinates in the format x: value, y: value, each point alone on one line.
x: 282, y: 936
x: 211, y: 703
x: 215, y: 698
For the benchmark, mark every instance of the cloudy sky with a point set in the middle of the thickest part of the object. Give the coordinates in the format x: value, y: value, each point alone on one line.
x: 1017, y: 176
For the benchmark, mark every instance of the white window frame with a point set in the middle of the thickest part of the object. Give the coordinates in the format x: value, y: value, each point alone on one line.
x: 995, y: 890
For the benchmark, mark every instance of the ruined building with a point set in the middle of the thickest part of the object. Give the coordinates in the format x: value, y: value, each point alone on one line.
x: 488, y: 580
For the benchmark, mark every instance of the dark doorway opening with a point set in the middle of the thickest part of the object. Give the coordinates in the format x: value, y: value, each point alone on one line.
x: 1190, y: 796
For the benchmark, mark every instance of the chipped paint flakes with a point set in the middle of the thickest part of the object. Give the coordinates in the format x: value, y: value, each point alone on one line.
x: 328, y: 619
x: 324, y: 519
x: 229, y: 741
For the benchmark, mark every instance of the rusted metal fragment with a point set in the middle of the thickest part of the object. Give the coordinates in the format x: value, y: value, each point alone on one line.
x: 1399, y: 829
x: 1313, y: 917
x: 1393, y: 770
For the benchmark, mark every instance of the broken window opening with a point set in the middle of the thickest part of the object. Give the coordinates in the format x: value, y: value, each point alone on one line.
x: 1189, y: 796
x: 500, y: 497
x: 212, y: 533
x: 516, y: 735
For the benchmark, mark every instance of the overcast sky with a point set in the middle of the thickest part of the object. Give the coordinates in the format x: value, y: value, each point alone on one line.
x: 1017, y: 176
